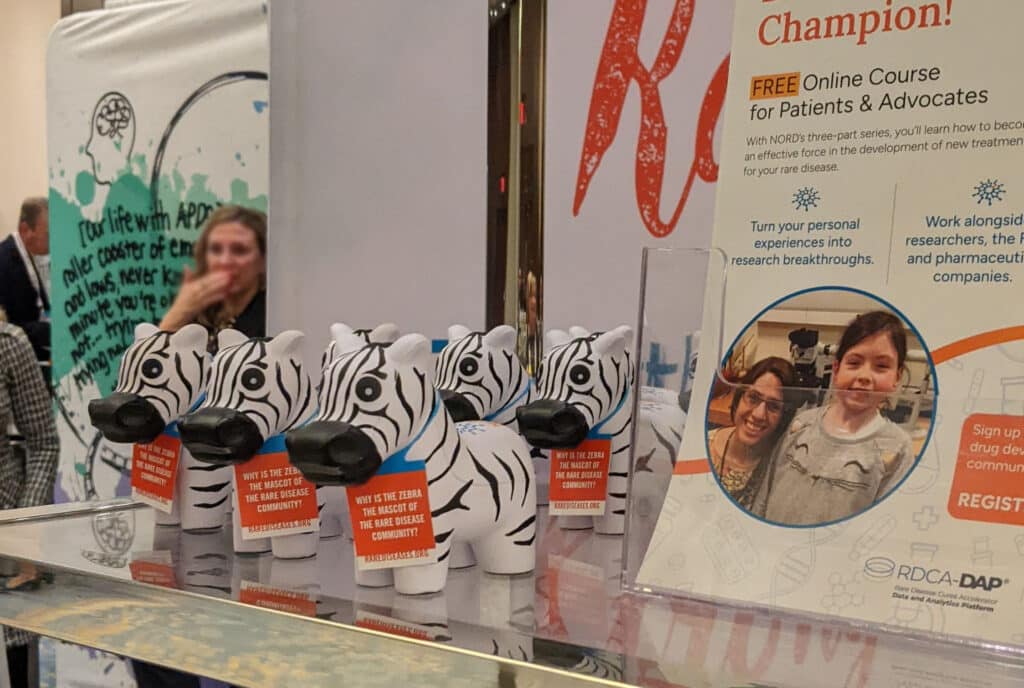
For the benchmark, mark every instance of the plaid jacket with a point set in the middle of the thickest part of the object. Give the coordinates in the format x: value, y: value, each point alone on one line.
x: 24, y: 400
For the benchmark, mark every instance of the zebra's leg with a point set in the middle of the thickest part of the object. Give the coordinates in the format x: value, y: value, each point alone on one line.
x: 505, y: 554
x: 205, y: 493
x: 421, y: 580
x: 298, y: 546
x: 241, y: 545
x: 613, y: 522
x: 174, y: 517
x: 575, y: 522
x: 294, y: 574
x: 377, y: 578
x: 541, y: 459
x: 461, y: 556
x: 333, y: 505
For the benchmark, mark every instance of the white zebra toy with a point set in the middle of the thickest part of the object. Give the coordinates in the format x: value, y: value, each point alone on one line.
x: 333, y: 505
x: 480, y: 376
x: 161, y: 378
x: 377, y: 405
x: 659, y: 424
x: 384, y: 333
x: 584, y: 389
x: 258, y: 390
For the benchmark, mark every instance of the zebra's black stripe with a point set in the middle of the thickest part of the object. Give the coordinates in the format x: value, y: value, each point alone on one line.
x: 491, y: 480
x: 455, y: 502
x: 526, y: 475
x: 212, y: 505
x: 522, y: 526
x: 215, y: 487
x: 182, y: 376
x: 401, y: 398
x: 508, y: 470
x: 206, y: 467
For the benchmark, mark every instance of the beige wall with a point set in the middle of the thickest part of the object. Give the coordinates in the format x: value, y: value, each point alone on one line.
x: 24, y: 28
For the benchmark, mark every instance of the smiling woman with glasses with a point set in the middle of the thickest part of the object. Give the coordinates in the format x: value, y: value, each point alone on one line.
x: 760, y: 412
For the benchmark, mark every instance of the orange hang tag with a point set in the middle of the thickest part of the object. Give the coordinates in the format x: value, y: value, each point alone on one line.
x: 579, y: 479
x: 154, y: 568
x: 273, y: 497
x: 391, y: 522
x: 290, y: 601
x: 155, y: 470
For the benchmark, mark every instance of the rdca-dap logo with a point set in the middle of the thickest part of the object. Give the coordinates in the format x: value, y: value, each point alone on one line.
x: 884, y: 568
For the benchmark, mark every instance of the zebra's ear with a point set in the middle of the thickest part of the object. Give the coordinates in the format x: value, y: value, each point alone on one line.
x: 555, y: 338
x: 577, y: 332
x: 627, y: 332
x: 501, y: 337
x: 288, y: 344
x: 341, y: 328
x: 458, y: 332
x: 611, y: 344
x: 385, y: 333
x: 345, y: 339
x: 229, y: 337
x: 412, y: 349
x: 192, y: 336
x: 145, y: 329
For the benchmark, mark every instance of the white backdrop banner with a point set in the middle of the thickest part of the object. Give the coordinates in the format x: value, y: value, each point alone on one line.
x: 379, y: 165
x: 156, y: 114
x: 634, y: 94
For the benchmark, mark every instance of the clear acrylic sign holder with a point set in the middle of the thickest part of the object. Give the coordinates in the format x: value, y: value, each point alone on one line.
x: 841, y: 557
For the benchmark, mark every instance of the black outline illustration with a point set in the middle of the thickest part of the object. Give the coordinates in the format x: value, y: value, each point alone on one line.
x: 213, y: 84
x: 106, y: 99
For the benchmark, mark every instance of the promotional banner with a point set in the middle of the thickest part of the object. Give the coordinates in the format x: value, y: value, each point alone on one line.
x: 380, y: 162
x: 863, y: 431
x: 634, y: 93
x: 157, y: 114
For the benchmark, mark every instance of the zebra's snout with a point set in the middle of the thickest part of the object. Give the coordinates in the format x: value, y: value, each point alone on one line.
x: 459, y: 407
x: 123, y: 417
x: 333, y: 453
x: 221, y: 436
x: 552, y: 424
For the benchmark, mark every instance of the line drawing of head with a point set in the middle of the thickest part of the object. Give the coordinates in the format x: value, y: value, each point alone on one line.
x: 111, y: 136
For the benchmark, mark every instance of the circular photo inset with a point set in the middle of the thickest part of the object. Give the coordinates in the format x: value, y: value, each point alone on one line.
x: 822, y: 407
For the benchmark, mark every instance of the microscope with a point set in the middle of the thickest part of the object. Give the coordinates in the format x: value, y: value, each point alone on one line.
x: 811, y: 359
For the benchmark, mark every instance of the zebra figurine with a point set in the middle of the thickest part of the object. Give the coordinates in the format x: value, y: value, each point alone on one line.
x: 333, y: 505
x: 481, y: 377
x: 659, y: 425
x: 162, y: 377
x: 385, y: 333
x: 377, y: 403
x: 584, y: 385
x: 258, y: 390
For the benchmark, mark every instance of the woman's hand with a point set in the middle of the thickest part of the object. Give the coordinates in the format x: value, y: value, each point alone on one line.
x: 196, y: 295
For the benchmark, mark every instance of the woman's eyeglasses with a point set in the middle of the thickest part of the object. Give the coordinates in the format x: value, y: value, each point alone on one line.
x: 753, y: 399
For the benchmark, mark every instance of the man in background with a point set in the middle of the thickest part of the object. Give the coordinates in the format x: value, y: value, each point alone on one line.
x: 25, y: 276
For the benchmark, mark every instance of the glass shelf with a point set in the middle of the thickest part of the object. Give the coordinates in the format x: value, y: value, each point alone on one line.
x: 127, y: 586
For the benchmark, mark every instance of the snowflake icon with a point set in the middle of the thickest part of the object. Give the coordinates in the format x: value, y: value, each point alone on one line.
x: 988, y: 191
x: 806, y: 198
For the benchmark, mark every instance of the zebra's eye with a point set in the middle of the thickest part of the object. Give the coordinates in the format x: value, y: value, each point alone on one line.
x: 368, y: 389
x: 152, y: 368
x: 579, y: 374
x: 253, y: 379
x: 468, y: 366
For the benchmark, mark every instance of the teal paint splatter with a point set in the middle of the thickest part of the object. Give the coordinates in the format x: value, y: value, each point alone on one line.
x: 85, y: 188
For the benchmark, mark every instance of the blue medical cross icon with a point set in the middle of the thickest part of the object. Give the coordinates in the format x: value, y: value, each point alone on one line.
x: 657, y: 367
